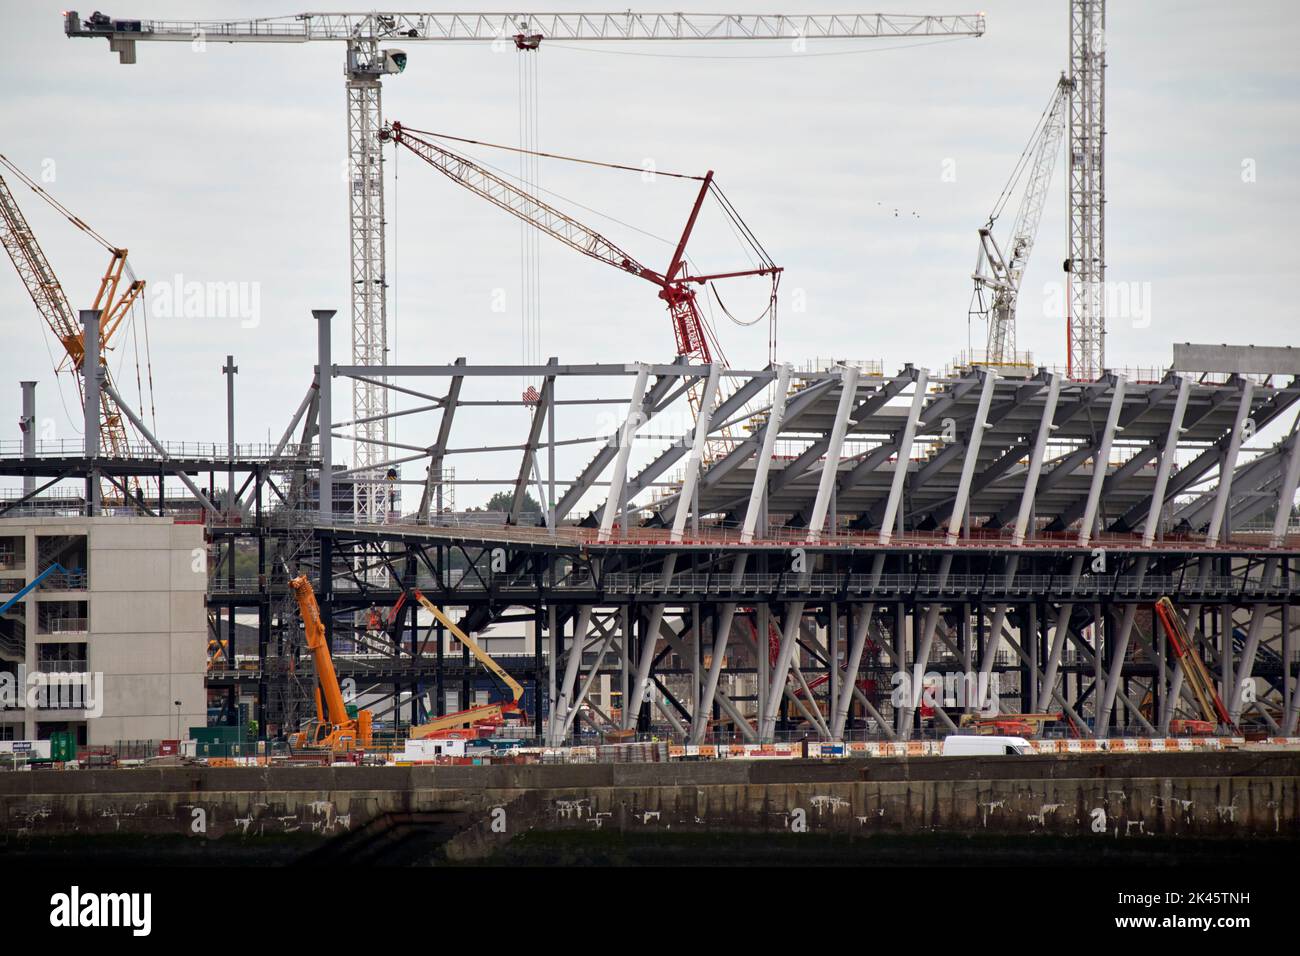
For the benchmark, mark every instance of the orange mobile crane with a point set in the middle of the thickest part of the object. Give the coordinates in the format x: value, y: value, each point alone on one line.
x: 471, y: 715
x: 333, y: 727
x: 1198, y: 678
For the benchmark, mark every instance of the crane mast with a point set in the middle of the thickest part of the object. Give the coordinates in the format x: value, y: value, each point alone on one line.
x: 1086, y: 266
x: 1000, y: 274
x: 367, y: 63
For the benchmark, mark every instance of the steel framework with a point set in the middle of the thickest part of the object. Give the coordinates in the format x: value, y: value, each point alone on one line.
x: 882, y: 554
x: 891, y: 534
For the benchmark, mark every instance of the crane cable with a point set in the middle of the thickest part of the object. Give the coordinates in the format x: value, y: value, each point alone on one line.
x: 528, y: 179
x: 529, y: 240
x: 63, y: 210
x: 534, y: 152
x: 1023, y: 162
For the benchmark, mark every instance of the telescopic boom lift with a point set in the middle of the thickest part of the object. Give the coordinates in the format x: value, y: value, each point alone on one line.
x: 471, y: 715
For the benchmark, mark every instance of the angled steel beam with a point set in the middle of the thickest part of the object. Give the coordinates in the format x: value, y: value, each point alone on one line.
x: 1015, y: 451
x: 877, y: 400
x: 848, y: 394
x: 931, y: 621
x: 303, y: 408
x: 1236, y: 693
x: 990, y: 473
x: 724, y: 702
x: 1117, y: 659
x: 572, y: 712
x: 611, y: 447
x: 1286, y: 493
x: 1168, y: 453
x: 1100, y: 460
x: 1229, y: 465
x: 559, y: 715
x: 796, y: 406
x: 703, y: 422
x: 626, y: 436
x: 148, y: 436
x: 528, y: 459
x: 772, y: 429
x: 1253, y: 482
x: 895, y: 498
x: 972, y: 456
x: 781, y: 670
x: 1028, y: 493
x: 438, y: 450
x: 1063, y: 415
x: 1062, y: 627
x: 726, y: 408
x: 858, y: 640
x: 1193, y: 471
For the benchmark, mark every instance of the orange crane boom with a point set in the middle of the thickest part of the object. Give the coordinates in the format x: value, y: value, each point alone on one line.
x: 1198, y: 678
x: 52, y: 303
x: 334, y: 728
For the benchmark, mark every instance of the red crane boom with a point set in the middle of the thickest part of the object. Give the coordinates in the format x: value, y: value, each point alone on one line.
x: 675, y: 284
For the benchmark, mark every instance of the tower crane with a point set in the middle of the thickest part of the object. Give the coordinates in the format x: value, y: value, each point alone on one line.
x: 113, y: 300
x: 677, y: 286
x: 367, y: 63
x: 997, y: 274
x: 1086, y: 267
x: 1079, y: 108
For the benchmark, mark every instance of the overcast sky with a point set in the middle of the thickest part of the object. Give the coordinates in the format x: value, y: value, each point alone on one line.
x: 226, y: 166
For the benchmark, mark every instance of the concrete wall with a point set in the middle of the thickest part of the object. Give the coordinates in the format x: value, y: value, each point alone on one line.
x: 147, y: 627
x: 1235, y: 795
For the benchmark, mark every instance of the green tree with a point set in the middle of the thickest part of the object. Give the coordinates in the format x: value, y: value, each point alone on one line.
x: 502, y: 501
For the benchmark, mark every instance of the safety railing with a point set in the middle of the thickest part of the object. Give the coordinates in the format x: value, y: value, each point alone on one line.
x: 143, y: 451
x: 951, y: 585
x: 63, y: 625
x: 492, y: 527
x: 62, y: 667
x: 72, y: 580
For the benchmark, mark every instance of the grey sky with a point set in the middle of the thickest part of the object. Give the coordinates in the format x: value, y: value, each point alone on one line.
x: 226, y: 166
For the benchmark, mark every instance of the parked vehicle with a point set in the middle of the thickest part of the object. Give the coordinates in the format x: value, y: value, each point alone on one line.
x: 971, y: 745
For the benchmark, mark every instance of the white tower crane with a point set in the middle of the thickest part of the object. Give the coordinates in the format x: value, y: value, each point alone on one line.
x: 367, y: 63
x: 1086, y: 267
x: 997, y: 275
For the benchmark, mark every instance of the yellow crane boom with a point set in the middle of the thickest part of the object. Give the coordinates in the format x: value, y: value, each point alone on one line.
x: 470, y: 715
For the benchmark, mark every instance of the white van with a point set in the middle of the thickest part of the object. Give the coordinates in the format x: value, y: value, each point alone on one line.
x: 970, y: 745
